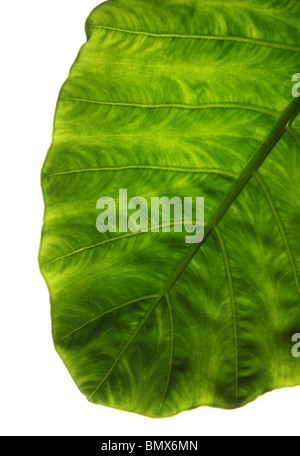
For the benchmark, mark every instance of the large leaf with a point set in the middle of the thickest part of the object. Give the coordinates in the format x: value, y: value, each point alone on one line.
x: 178, y: 98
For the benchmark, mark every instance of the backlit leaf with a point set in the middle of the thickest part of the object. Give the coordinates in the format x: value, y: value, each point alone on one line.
x: 184, y: 98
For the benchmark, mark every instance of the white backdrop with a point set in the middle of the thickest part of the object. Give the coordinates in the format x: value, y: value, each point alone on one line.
x: 39, y: 42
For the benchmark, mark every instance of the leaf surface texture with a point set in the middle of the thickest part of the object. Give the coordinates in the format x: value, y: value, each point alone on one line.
x: 178, y: 98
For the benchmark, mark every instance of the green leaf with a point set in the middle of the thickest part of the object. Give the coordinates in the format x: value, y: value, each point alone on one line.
x: 180, y: 98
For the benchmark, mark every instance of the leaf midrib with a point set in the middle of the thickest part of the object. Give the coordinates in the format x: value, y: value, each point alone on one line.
x: 286, y: 119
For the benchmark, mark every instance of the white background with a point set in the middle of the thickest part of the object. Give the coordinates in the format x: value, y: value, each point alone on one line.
x: 39, y: 42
